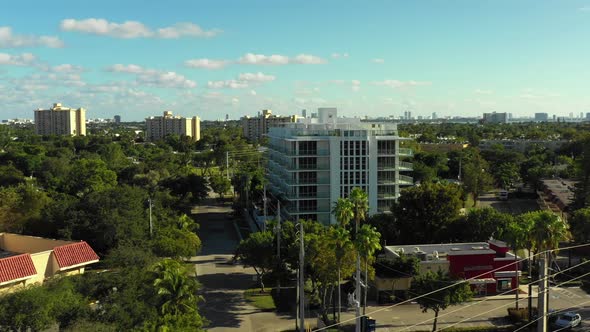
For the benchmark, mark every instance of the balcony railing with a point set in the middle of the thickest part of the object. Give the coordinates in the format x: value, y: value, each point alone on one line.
x: 386, y: 196
x: 319, y: 195
x: 405, y: 152
x: 406, y: 180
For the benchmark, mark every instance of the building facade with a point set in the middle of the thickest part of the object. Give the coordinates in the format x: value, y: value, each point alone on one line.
x: 315, y: 161
x: 256, y: 128
x: 27, y: 260
x: 541, y: 117
x: 495, y: 117
x: 489, y: 266
x: 158, y: 127
x: 59, y: 120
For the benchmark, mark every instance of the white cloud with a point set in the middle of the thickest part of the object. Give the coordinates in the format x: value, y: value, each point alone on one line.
x: 243, y: 81
x: 253, y: 92
x: 400, y: 84
x: 134, y: 29
x: 25, y: 59
x: 355, y: 85
x: 155, y: 78
x: 584, y: 9
x: 65, y: 68
x: 339, y: 55
x: 206, y: 63
x: 10, y: 40
x: 378, y: 60
x: 276, y: 59
x: 256, y: 77
x: 483, y: 92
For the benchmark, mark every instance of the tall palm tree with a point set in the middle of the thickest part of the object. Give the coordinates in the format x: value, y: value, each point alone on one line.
x: 176, y: 290
x: 367, y: 242
x: 548, y: 230
x: 341, y: 243
x: 343, y: 211
x: 516, y: 234
x: 360, y: 201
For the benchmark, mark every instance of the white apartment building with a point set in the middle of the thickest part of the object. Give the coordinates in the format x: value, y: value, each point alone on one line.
x: 59, y: 120
x: 255, y: 128
x: 158, y: 127
x: 315, y: 161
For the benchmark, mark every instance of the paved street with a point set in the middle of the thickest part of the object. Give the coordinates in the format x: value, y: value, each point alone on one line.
x: 513, y: 206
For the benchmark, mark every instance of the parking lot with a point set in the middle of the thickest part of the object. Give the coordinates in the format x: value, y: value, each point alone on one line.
x: 513, y: 206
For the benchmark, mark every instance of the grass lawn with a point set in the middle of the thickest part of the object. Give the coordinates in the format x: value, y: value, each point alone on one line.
x: 262, y: 301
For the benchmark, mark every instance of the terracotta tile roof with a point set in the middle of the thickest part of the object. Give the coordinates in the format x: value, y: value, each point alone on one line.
x: 74, y: 254
x: 16, y: 267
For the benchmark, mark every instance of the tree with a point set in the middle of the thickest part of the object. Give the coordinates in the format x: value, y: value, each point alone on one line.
x: 436, y: 293
x: 220, y: 185
x: 424, y: 213
x: 478, y: 225
x: 340, y: 240
x: 476, y: 178
x: 580, y: 225
x: 176, y: 290
x: 343, y: 211
x: 90, y: 175
x: 506, y: 175
x: 548, y: 230
x: 367, y: 242
x: 257, y: 251
x: 517, y: 235
x: 360, y: 202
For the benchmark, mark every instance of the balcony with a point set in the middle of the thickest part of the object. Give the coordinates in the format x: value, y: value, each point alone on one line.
x: 405, y: 166
x: 386, y: 196
x: 320, y: 180
x: 406, y: 180
x: 308, y: 153
x: 318, y: 195
x: 405, y: 152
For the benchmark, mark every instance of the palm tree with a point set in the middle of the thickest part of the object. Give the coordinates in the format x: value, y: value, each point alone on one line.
x: 343, y: 211
x: 367, y: 242
x: 516, y: 234
x: 360, y: 201
x: 175, y: 289
x: 548, y: 230
x: 340, y: 237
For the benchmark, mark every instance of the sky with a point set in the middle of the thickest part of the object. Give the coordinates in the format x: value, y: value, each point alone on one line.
x: 367, y: 58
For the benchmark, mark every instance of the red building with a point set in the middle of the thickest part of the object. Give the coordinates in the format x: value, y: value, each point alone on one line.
x: 489, y: 266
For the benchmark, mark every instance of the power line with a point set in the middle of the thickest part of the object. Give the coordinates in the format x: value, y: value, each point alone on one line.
x: 446, y: 287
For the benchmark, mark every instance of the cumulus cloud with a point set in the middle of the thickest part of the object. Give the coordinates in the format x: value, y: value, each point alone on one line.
x: 134, y: 29
x: 25, y: 59
x: 378, y: 60
x: 63, y: 68
x: 206, y: 63
x: 276, y: 59
x: 155, y: 78
x: 400, y: 84
x: 10, y: 40
x: 256, y: 77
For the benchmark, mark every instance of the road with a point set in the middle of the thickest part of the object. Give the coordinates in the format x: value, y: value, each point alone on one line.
x: 513, y: 206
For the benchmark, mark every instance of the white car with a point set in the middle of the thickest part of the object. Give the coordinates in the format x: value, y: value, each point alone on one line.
x: 567, y: 320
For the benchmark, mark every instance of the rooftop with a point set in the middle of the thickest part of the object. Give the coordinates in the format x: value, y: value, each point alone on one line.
x: 443, y: 249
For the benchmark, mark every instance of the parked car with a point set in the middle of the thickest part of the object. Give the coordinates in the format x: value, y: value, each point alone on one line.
x: 503, y: 195
x: 567, y: 320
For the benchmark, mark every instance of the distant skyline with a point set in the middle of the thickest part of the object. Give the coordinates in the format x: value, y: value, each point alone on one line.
x: 367, y: 58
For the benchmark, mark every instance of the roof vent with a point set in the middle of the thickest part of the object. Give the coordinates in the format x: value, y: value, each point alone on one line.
x: 477, y: 248
x: 417, y: 249
x: 455, y: 249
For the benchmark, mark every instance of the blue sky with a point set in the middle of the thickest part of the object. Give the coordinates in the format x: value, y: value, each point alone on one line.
x: 375, y: 58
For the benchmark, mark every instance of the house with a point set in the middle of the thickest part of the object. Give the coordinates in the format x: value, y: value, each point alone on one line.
x: 27, y: 260
x: 489, y: 266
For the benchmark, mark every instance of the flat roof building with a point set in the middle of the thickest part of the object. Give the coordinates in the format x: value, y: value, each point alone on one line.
x: 256, y: 128
x: 317, y: 160
x: 59, y: 120
x: 495, y: 117
x: 158, y: 127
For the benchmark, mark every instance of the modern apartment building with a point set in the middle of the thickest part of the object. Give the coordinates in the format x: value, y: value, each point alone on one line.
x: 541, y: 117
x: 315, y: 161
x: 59, y: 120
x: 255, y: 128
x: 158, y: 127
x: 495, y: 117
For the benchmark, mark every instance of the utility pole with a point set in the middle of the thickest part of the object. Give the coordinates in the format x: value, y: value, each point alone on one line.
x: 279, y: 244
x: 227, y: 163
x: 543, y: 292
x: 264, y: 202
x: 358, y: 284
x: 301, y: 278
x: 151, y: 227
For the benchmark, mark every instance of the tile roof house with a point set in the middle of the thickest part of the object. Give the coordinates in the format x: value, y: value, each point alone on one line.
x: 25, y: 260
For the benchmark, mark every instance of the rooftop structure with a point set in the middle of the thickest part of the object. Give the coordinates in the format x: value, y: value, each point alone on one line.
x: 317, y: 160
x: 557, y: 194
x: 256, y: 128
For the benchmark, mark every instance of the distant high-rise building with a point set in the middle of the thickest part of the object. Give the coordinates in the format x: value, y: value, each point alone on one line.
x: 226, y: 117
x: 554, y: 117
x: 571, y: 115
x: 59, y: 120
x: 255, y: 128
x: 509, y: 116
x: 304, y: 113
x: 495, y: 117
x: 434, y: 117
x: 158, y: 127
x: 117, y: 119
x: 588, y: 116
x: 540, y: 117
x: 581, y: 115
